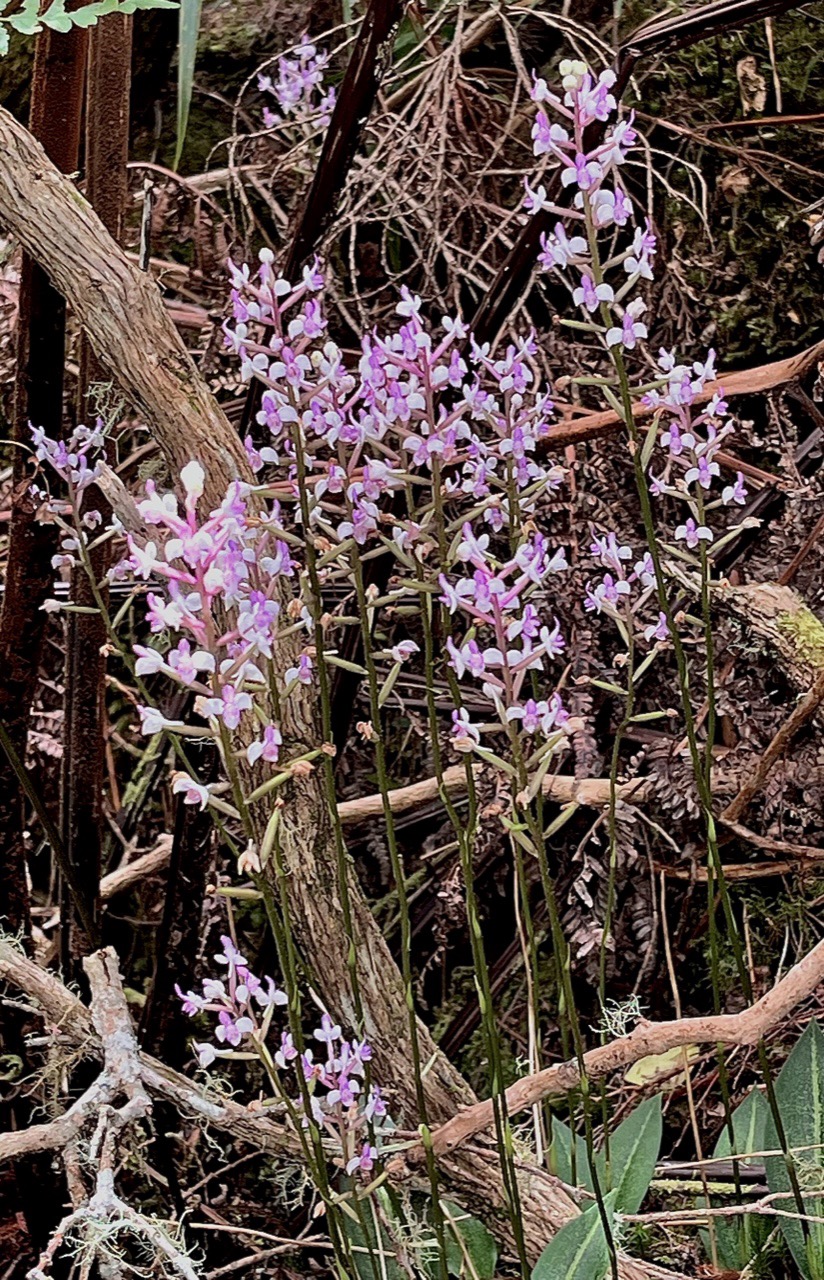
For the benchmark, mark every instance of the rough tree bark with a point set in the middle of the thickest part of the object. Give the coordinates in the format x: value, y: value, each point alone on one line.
x: 131, y: 333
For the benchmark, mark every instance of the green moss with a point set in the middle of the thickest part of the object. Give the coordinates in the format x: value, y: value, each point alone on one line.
x: 806, y: 632
x: 233, y: 29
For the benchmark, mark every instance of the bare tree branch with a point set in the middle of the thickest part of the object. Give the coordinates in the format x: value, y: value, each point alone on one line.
x: 648, y: 1038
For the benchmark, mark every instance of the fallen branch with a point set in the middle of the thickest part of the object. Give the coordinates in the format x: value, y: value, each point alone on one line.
x: 562, y: 789
x: 648, y: 1038
x: 732, y: 871
x: 744, y: 382
x: 801, y: 852
x: 148, y: 864
x: 68, y: 1015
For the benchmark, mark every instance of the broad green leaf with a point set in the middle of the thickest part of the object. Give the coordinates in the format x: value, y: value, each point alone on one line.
x: 188, y: 29
x: 4, y: 41
x: 373, y: 1252
x: 738, y: 1240
x: 579, y: 1251
x: 562, y: 1141
x: 90, y: 14
x: 26, y: 20
x: 799, y: 1092
x: 479, y: 1254
x: 633, y: 1152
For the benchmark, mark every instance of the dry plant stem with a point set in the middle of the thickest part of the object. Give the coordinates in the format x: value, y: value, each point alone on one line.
x: 747, y: 1027
x: 106, y: 154
x: 802, y: 852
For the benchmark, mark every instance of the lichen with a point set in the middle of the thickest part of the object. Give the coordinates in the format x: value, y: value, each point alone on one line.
x: 806, y: 632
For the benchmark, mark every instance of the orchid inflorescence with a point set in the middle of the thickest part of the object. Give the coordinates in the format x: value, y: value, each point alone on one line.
x: 457, y: 432
x: 603, y: 288
x: 341, y: 1103
x: 299, y: 90
x: 415, y: 413
x: 425, y: 446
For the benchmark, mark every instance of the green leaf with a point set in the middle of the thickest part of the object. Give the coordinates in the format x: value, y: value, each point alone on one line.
x: 91, y: 14
x: 738, y: 1240
x: 373, y: 1252
x: 188, y: 29
x: 476, y: 1254
x: 799, y: 1091
x: 4, y: 41
x: 56, y: 17
x: 579, y: 1251
x: 561, y: 1142
x: 131, y: 6
x: 633, y: 1152
x: 26, y: 20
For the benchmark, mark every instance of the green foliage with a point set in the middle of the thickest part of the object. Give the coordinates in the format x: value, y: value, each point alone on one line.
x: 28, y: 20
x: 475, y: 1254
x: 633, y: 1152
x: 188, y: 30
x: 799, y: 1091
x: 739, y: 1240
x: 373, y: 1253
x: 579, y: 1250
x: 562, y: 1144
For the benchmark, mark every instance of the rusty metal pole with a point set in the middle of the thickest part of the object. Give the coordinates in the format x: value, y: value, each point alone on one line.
x: 107, y: 148
x: 55, y: 117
